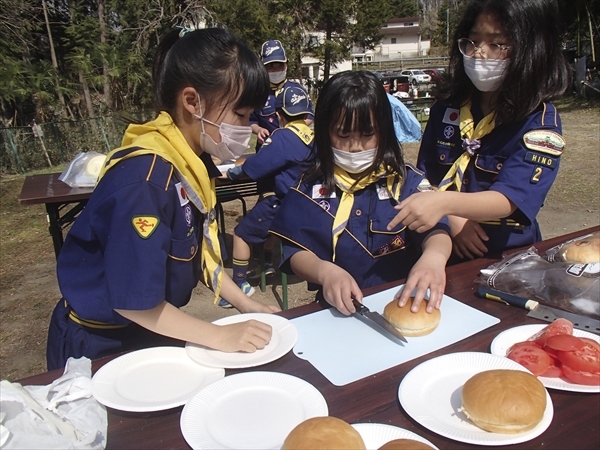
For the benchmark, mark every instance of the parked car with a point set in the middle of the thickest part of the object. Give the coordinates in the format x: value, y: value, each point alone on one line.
x: 435, y: 74
x: 416, y: 76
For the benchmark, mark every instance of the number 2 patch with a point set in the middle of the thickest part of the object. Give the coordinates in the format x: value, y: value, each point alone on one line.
x: 535, y: 176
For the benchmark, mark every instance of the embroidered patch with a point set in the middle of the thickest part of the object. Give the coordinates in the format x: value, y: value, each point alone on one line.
x: 145, y: 225
x: 451, y: 116
x: 395, y: 244
x: 267, y: 142
x: 425, y: 186
x: 544, y: 141
x: 535, y: 176
x: 183, y: 198
x: 448, y: 131
x: 547, y: 161
x: 187, y: 214
x: 325, y: 205
x: 318, y: 191
x: 382, y: 193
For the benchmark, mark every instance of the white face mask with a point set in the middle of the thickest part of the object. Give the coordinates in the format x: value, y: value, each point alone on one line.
x: 485, y: 74
x: 277, y: 77
x: 235, y: 140
x: 355, y: 162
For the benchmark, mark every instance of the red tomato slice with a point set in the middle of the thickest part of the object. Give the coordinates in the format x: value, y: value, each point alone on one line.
x: 564, y: 342
x: 585, y: 360
x: 578, y: 377
x: 554, y: 370
x: 559, y: 326
x: 530, y: 356
x: 591, y: 342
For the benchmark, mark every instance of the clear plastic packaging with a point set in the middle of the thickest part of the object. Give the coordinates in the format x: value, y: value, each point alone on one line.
x: 581, y: 250
x: 83, y: 170
x: 570, y: 287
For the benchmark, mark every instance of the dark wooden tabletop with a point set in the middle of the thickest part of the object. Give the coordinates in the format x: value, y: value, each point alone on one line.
x: 375, y: 399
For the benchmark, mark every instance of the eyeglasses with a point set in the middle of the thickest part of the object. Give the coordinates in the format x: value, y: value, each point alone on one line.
x: 491, y: 51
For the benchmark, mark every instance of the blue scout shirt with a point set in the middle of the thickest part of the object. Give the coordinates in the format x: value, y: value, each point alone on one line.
x: 266, y: 117
x: 135, y: 244
x: 366, y: 249
x: 520, y: 160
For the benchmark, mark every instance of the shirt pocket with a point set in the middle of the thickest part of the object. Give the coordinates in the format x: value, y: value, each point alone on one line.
x: 487, y: 168
x: 383, y: 242
x: 183, y: 269
x: 445, y: 156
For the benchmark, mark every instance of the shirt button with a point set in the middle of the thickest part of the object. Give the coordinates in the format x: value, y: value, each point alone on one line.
x: 358, y: 212
x: 499, y: 166
x: 259, y: 220
x: 465, y: 181
x: 192, y: 250
x: 442, y: 157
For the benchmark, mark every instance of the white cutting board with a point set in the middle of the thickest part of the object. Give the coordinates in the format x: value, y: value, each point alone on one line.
x: 346, y: 349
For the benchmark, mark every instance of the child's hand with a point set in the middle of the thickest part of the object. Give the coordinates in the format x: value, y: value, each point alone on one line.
x: 262, y: 135
x: 427, y: 273
x: 339, y: 288
x: 467, y: 238
x: 246, y: 336
x: 419, y: 212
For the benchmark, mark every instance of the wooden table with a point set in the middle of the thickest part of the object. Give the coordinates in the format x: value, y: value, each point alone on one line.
x: 375, y: 399
x: 64, y: 203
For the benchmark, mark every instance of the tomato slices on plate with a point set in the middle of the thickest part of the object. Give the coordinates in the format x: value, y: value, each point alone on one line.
x: 554, y: 352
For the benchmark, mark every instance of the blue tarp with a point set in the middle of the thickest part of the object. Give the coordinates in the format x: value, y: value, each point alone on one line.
x: 406, y: 125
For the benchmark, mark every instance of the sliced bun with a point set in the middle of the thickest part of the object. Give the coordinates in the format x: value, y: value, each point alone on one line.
x: 582, y: 251
x: 409, y: 323
x: 504, y: 401
x: 327, y: 433
x: 405, y: 444
x: 94, y: 165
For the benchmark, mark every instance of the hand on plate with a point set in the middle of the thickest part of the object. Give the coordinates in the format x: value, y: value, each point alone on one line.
x: 246, y: 336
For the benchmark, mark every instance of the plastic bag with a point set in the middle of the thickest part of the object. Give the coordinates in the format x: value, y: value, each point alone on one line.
x: 584, y: 249
x: 83, y: 171
x: 62, y: 415
x: 571, y: 287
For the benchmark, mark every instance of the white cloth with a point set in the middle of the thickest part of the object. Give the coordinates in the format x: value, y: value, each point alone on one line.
x: 62, y: 415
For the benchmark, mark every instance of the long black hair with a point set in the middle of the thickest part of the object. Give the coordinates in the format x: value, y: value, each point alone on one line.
x: 356, y: 101
x: 215, y: 62
x: 536, y: 72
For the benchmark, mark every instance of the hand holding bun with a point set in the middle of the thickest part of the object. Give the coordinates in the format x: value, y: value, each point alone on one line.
x: 504, y: 401
x: 410, y: 323
x: 326, y: 433
x: 405, y: 444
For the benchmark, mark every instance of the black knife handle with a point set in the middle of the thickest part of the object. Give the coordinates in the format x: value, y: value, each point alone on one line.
x: 503, y: 297
x: 360, y: 308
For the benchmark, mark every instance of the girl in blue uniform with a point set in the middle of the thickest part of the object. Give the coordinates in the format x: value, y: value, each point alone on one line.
x: 493, y: 142
x: 148, y: 233
x: 333, y: 224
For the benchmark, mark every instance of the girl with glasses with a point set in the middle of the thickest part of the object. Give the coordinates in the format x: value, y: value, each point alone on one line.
x: 493, y: 142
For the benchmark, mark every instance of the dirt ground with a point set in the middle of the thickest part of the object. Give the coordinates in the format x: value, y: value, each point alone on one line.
x: 29, y: 290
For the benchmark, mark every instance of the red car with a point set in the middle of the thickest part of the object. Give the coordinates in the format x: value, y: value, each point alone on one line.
x: 435, y: 74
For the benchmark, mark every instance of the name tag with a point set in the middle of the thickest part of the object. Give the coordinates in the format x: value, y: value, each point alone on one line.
x: 382, y: 193
x: 541, y: 160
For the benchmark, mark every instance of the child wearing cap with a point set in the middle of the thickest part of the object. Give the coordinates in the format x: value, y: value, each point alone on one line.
x: 264, y: 121
x: 285, y: 155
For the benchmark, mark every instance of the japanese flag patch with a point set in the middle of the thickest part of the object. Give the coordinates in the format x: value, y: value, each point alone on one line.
x: 183, y: 199
x: 451, y: 116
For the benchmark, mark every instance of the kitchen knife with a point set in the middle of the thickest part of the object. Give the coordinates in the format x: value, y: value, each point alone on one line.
x: 541, y: 312
x: 379, y: 320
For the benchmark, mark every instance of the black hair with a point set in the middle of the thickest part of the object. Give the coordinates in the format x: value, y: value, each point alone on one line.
x: 215, y: 62
x: 536, y: 72
x: 358, y: 102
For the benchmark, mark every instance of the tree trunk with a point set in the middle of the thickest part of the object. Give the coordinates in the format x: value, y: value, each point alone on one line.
x: 61, y: 98
x: 86, y: 95
x: 327, y: 58
x: 107, y: 93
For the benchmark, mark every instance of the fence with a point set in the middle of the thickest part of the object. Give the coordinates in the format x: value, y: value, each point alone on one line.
x: 396, y: 65
x: 23, y: 149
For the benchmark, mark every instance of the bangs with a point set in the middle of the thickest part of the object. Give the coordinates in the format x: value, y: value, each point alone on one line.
x: 254, y: 89
x: 356, y: 116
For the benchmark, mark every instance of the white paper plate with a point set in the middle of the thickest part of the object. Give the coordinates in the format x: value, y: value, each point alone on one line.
x: 431, y: 394
x: 151, y: 379
x: 249, y: 410
x: 508, y: 338
x: 376, y: 434
x: 283, y: 340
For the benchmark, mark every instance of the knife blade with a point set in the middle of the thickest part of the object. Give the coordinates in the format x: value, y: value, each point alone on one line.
x: 541, y: 312
x: 379, y: 320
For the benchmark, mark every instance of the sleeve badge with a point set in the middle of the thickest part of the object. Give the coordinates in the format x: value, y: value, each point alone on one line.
x: 145, y: 225
x: 544, y: 141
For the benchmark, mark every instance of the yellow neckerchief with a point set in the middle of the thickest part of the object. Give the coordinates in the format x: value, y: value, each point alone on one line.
x: 348, y: 186
x: 300, y: 129
x: 471, y: 136
x: 162, y: 137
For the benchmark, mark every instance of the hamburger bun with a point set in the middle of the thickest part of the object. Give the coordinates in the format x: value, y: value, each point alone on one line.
x: 504, y: 401
x: 405, y: 444
x: 94, y: 165
x: 327, y: 433
x: 409, y: 323
x: 582, y: 251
